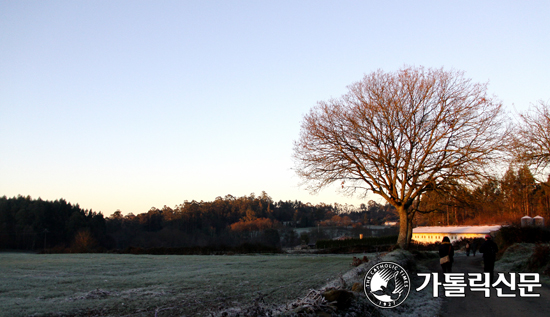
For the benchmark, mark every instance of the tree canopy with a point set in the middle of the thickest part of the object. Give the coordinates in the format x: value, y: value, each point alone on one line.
x: 531, y: 142
x: 399, y: 135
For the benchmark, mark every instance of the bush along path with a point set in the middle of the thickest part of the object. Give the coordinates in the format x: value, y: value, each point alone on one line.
x: 475, y: 304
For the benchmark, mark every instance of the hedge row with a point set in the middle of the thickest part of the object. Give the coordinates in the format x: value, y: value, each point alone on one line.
x: 206, y: 250
x: 370, y: 241
x: 509, y: 235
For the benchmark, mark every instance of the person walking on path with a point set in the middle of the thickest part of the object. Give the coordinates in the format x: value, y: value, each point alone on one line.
x: 446, y: 255
x: 474, y: 247
x: 467, y: 248
x: 489, y: 249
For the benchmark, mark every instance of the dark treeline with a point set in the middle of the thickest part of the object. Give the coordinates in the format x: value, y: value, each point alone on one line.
x: 229, y: 221
x: 35, y: 224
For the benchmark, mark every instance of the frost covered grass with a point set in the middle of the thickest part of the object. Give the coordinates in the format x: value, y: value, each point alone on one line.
x: 420, y: 303
x: 144, y: 285
x: 516, y: 259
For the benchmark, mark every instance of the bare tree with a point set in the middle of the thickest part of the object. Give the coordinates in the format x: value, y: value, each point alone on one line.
x: 400, y: 134
x: 531, y: 142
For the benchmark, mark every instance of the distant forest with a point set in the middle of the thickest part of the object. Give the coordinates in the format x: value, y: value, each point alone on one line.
x: 495, y: 201
x: 35, y: 224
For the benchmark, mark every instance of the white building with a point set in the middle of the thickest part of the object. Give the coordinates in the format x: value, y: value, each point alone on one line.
x: 455, y: 233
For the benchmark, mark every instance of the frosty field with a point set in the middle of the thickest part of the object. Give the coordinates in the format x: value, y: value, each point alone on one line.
x: 145, y: 285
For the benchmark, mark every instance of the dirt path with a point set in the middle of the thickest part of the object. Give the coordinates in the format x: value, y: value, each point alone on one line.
x: 475, y: 304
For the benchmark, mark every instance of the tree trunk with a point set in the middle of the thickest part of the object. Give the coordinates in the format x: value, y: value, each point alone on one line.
x: 456, y: 215
x: 410, y: 218
x: 409, y: 233
x: 402, y: 240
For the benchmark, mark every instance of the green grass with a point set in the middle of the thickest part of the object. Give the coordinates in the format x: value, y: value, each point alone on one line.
x: 137, y: 285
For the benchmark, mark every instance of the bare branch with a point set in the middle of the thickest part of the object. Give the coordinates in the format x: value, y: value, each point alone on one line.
x: 531, y: 142
x: 399, y: 134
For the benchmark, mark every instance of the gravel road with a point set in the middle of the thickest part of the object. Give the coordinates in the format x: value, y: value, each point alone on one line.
x: 475, y: 304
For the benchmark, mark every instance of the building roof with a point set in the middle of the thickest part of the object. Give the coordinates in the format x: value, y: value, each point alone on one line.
x: 457, y: 229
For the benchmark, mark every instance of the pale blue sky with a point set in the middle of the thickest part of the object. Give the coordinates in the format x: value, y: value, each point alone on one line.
x: 133, y: 104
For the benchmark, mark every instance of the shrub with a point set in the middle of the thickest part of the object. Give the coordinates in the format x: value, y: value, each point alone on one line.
x: 84, y: 242
x: 540, y: 257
